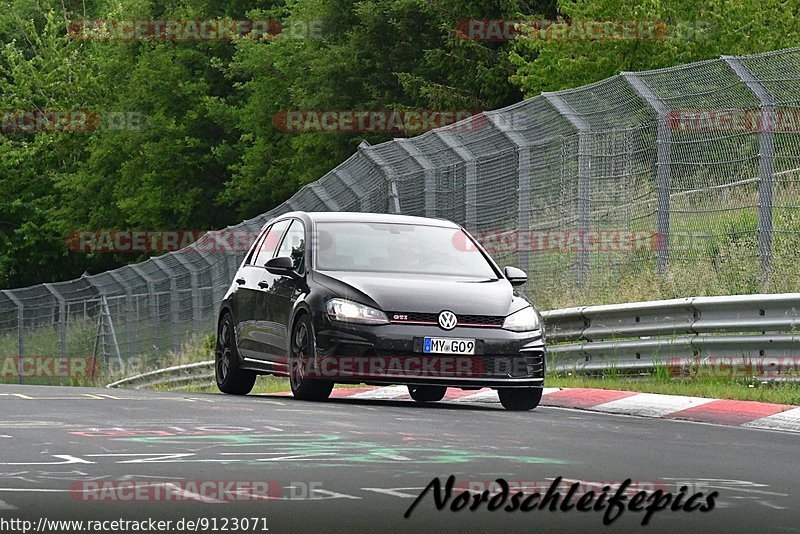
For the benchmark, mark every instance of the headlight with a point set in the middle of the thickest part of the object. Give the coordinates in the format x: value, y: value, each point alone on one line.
x: 524, y: 320
x: 353, y: 312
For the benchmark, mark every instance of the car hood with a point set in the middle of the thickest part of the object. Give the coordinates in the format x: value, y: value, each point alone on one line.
x: 423, y: 293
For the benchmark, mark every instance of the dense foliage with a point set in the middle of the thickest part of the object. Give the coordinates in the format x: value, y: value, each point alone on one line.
x: 206, y: 152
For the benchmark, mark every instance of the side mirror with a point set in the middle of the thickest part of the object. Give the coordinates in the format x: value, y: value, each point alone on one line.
x: 281, y: 266
x: 517, y: 277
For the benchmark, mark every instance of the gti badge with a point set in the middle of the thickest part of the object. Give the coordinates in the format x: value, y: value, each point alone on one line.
x: 447, y: 320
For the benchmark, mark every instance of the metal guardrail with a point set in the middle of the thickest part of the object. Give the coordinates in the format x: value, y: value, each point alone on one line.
x: 169, y: 375
x: 639, y: 335
x: 635, y: 336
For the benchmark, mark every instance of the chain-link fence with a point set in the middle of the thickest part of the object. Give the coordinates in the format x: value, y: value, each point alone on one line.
x: 674, y: 182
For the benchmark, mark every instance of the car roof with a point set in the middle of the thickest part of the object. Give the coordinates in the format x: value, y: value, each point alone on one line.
x: 353, y: 216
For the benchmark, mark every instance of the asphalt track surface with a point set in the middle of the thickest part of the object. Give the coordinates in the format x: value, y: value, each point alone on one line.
x: 351, y: 465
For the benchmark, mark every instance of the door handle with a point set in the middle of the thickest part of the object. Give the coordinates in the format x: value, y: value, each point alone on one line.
x: 263, y: 284
x: 240, y: 281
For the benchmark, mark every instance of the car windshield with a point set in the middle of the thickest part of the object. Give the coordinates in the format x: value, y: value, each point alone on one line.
x: 398, y: 248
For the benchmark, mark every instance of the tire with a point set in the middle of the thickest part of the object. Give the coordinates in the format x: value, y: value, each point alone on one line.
x: 427, y: 393
x: 230, y: 377
x: 520, y: 399
x: 302, y: 354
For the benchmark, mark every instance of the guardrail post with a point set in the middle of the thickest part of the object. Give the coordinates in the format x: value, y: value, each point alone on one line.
x: 174, y: 301
x: 20, y: 328
x: 663, y: 164
x: 523, y: 179
x: 470, y: 180
x: 766, y: 160
x: 391, y: 176
x: 430, y: 173
x: 584, y: 175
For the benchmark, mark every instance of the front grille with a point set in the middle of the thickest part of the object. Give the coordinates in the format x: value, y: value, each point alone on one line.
x: 433, y: 319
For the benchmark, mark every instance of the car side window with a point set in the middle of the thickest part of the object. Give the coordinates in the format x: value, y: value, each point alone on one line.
x: 269, y: 243
x: 294, y: 245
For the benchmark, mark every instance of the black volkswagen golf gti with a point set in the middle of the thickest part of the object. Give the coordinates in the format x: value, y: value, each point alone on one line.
x: 355, y: 298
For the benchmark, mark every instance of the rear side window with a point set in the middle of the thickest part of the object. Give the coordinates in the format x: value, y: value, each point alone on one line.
x: 294, y: 245
x: 269, y: 243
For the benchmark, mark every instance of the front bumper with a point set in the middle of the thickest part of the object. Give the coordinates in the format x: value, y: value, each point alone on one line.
x: 392, y: 354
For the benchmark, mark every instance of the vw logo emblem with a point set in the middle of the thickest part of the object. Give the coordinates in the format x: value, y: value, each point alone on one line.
x: 447, y: 320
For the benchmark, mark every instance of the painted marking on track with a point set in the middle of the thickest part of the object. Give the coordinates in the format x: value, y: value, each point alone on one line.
x: 145, y: 457
x: 34, y: 490
x: 29, y: 424
x: 650, y: 405
x: 192, y: 495
x: 387, y: 393
x: 394, y: 492
x: 67, y: 459
x: 5, y: 506
x: 335, y: 495
x: 89, y: 395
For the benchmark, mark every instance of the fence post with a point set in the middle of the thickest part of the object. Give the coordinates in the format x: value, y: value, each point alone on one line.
x: 430, y: 173
x: 174, y: 301
x: 584, y: 175
x: 352, y: 184
x: 20, y: 328
x: 471, y: 179
x: 154, y: 316
x: 663, y: 164
x: 766, y: 160
x: 391, y: 176
x: 197, y: 306
x: 523, y: 179
x: 324, y: 197
x: 62, y: 320
x: 129, y: 310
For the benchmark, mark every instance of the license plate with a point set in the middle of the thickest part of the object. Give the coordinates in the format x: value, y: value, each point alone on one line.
x: 448, y: 345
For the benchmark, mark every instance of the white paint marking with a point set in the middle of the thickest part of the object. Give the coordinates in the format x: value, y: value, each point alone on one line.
x: 5, y: 506
x: 395, y: 492
x: 335, y: 495
x: 390, y: 392
x: 488, y: 395
x: 650, y: 404
x: 67, y: 460
x: 788, y: 421
x: 192, y: 495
